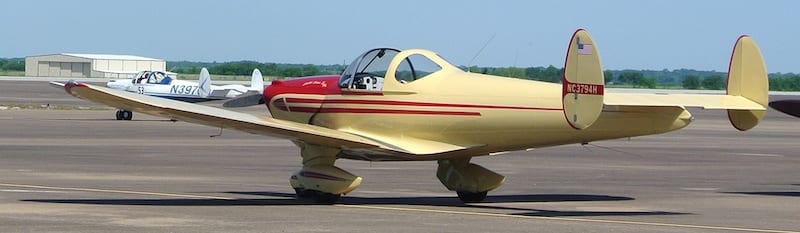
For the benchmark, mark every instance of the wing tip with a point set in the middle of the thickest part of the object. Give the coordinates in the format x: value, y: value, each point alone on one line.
x: 72, y: 83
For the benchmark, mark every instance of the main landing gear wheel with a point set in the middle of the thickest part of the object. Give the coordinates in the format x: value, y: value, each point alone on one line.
x: 470, y: 197
x: 124, y: 115
x: 318, y: 197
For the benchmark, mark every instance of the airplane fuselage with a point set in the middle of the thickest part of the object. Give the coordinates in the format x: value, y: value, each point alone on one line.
x: 496, y: 113
x: 179, y: 89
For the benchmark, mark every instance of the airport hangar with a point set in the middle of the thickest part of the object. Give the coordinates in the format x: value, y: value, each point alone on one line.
x: 89, y: 65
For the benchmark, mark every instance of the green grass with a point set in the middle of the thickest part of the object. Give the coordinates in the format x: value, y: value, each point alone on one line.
x: 11, y: 73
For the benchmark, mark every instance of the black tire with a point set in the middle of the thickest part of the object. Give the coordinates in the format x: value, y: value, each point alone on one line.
x: 127, y: 115
x: 119, y: 114
x: 302, y: 193
x: 324, y: 198
x: 470, y: 197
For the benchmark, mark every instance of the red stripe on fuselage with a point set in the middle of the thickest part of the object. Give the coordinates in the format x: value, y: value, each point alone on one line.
x: 380, y: 111
x: 409, y: 103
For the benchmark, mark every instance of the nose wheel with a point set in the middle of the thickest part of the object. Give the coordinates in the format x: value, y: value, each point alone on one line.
x: 124, y: 115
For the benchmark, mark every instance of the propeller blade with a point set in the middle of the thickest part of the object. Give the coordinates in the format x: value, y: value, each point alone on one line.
x: 245, y: 100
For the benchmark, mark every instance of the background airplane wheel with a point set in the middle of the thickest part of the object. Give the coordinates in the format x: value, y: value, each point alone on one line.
x: 470, y: 197
x: 119, y: 114
x: 126, y: 115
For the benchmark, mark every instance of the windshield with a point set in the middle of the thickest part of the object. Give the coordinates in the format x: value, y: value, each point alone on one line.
x: 373, y: 63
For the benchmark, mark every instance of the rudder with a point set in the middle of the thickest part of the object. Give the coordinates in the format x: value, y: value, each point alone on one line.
x: 205, y: 83
x: 582, y: 82
x: 257, y: 81
x: 747, y: 77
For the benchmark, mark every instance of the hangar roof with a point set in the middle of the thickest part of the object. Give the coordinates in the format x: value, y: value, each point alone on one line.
x: 110, y: 57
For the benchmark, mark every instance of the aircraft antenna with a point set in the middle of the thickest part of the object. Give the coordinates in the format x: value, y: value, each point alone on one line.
x: 609, y: 148
x: 218, y: 134
x: 480, y: 50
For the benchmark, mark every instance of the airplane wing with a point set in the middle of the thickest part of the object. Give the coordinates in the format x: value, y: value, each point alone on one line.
x: 216, y: 117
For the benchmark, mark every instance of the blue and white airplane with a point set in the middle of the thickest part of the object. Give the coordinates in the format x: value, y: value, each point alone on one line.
x: 159, y: 83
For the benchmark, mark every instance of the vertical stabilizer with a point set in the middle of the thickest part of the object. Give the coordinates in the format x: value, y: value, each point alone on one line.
x: 583, y: 82
x: 747, y: 77
x: 257, y: 82
x: 205, y: 83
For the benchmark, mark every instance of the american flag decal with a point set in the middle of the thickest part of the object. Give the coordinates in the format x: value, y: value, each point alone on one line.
x: 584, y: 49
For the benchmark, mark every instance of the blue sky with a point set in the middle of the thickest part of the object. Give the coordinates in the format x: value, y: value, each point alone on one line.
x: 655, y: 34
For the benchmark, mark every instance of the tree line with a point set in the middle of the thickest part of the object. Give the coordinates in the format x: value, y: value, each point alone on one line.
x: 784, y: 82
x: 622, y: 78
x: 12, y: 64
x: 678, y: 78
x: 246, y: 68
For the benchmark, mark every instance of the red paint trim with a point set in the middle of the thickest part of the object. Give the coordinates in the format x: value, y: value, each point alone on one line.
x: 568, y: 87
x: 381, y: 111
x: 72, y: 83
x: 564, y: 77
x: 280, y: 104
x: 350, y: 92
x: 566, y: 57
x: 728, y: 79
x: 730, y: 62
x: 410, y: 103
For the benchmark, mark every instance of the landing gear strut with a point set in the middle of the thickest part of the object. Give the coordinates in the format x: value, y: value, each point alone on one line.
x: 319, y: 179
x: 124, y: 115
x: 470, y: 181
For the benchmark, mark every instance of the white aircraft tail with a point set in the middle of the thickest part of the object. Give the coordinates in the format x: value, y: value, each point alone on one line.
x: 257, y: 82
x: 205, y: 83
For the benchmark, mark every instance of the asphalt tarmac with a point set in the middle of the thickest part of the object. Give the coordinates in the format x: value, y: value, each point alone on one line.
x: 82, y: 171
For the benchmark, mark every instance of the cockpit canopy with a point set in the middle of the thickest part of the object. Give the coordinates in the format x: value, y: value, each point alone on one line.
x: 364, y: 71
x: 152, y: 77
x: 369, y: 70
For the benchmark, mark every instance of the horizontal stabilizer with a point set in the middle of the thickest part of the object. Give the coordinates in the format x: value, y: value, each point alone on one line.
x: 746, y: 98
x: 684, y: 100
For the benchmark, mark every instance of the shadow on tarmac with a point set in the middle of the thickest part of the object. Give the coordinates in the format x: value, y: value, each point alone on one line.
x: 112, y: 119
x: 284, y: 199
x: 775, y: 193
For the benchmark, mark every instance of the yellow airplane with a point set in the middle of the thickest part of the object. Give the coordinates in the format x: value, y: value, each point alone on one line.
x: 392, y: 105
